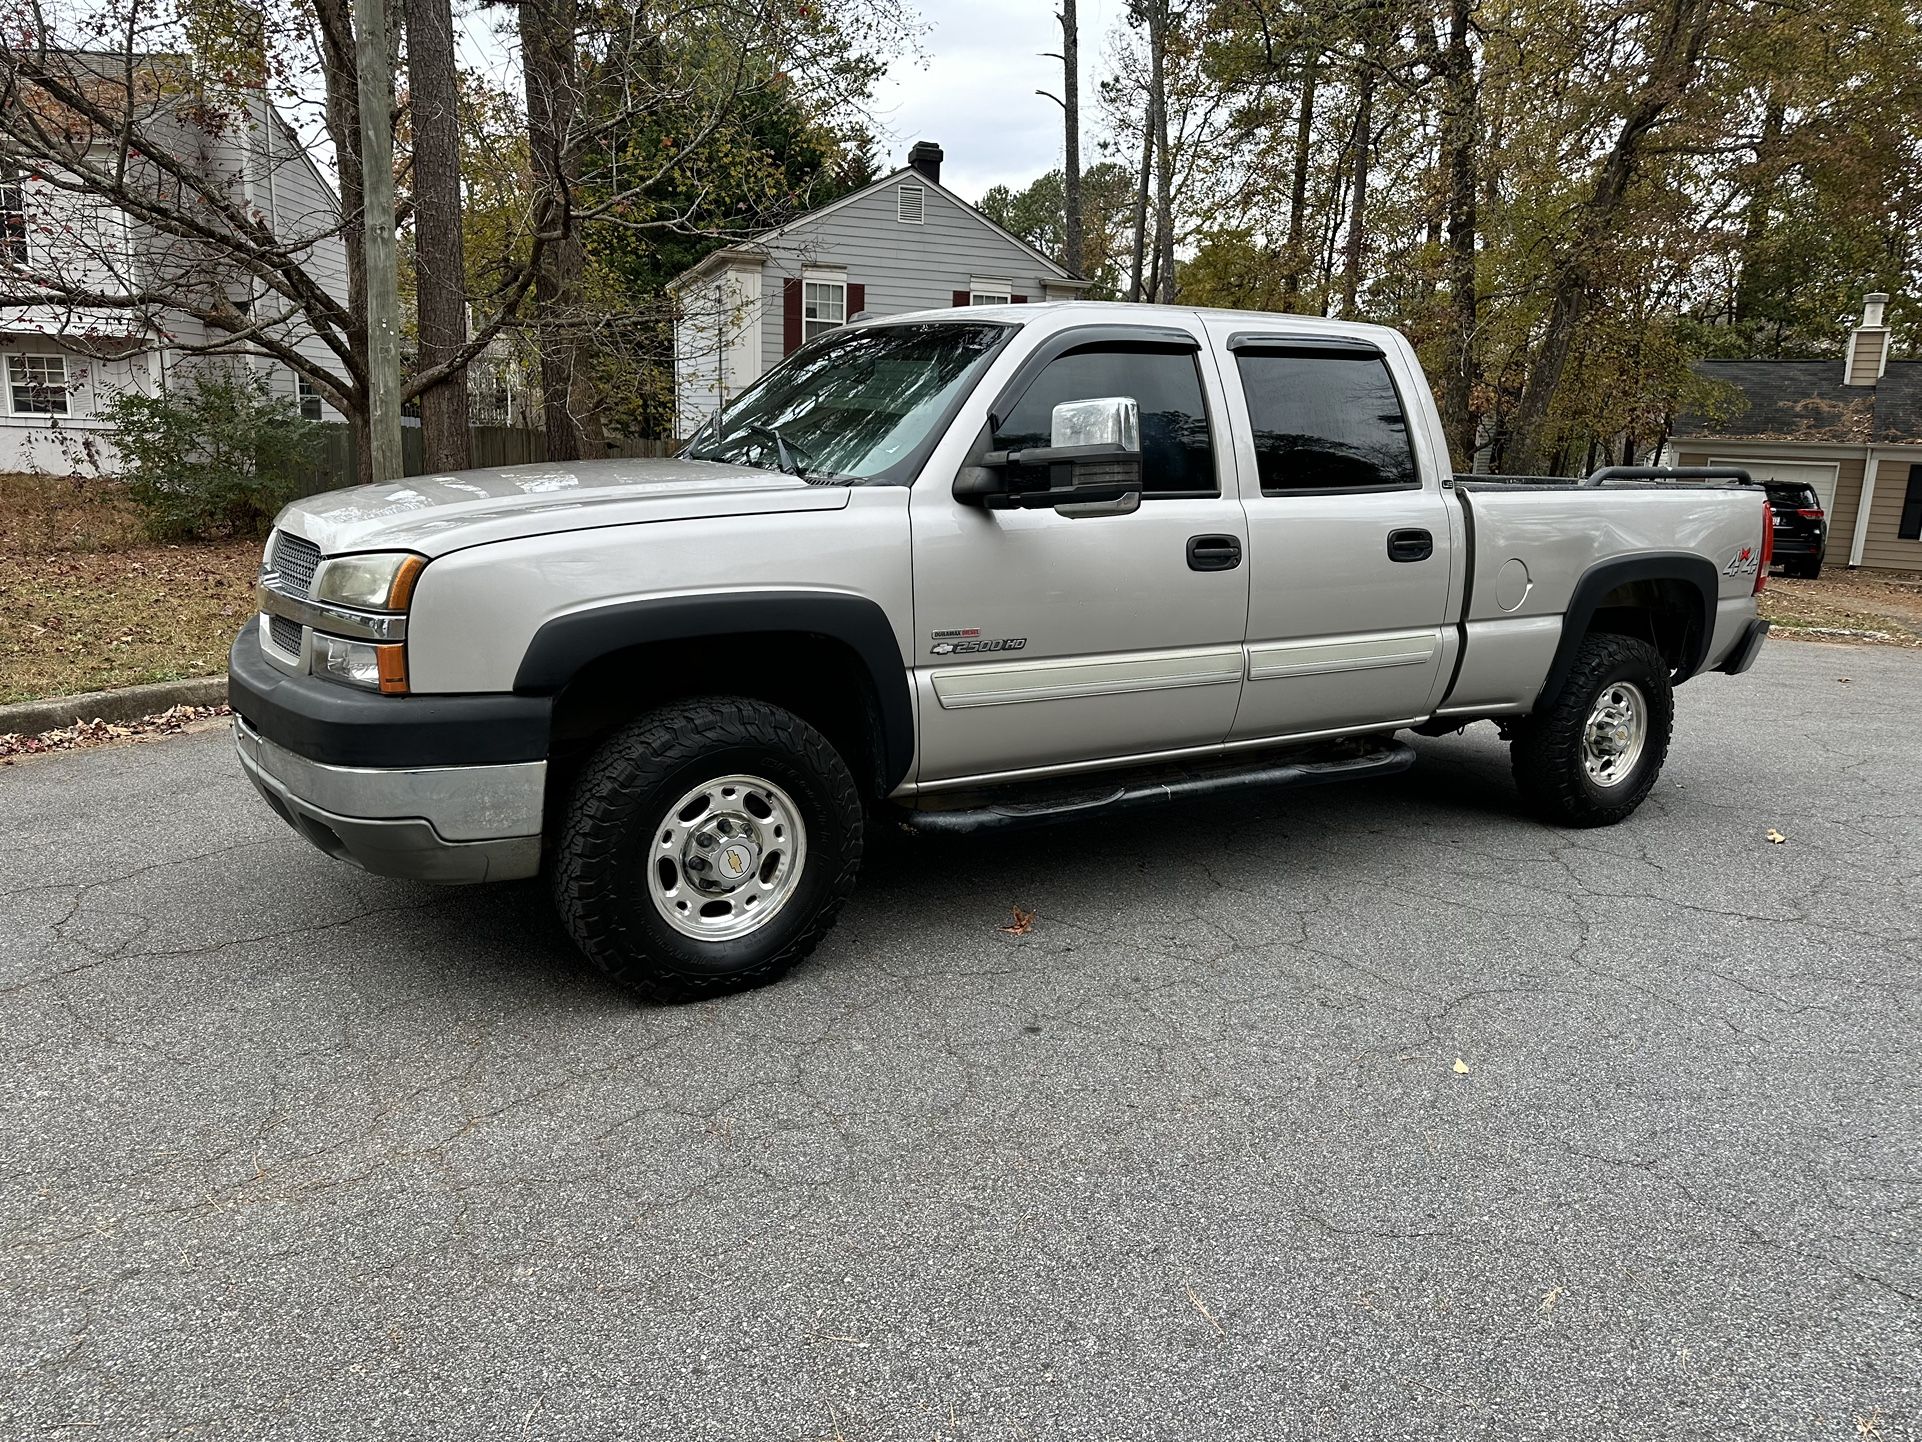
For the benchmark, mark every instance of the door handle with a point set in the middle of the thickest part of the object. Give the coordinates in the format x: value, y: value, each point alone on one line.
x: 1213, y: 553
x: 1413, y: 544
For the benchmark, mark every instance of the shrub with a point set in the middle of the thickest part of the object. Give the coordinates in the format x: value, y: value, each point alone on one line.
x: 216, y: 454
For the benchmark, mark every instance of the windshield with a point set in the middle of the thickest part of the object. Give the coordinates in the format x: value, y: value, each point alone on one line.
x: 854, y: 405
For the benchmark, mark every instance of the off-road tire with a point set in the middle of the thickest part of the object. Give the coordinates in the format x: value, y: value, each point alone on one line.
x: 599, y: 867
x: 1548, y: 746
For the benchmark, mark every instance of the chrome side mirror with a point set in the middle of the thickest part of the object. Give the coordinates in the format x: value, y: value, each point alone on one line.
x: 1106, y: 421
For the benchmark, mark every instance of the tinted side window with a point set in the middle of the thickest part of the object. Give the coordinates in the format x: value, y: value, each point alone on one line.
x: 1325, y: 423
x: 1177, y: 450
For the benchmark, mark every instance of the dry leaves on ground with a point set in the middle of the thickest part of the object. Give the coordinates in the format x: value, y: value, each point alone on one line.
x: 1776, y: 838
x: 83, y: 734
x: 1022, y: 924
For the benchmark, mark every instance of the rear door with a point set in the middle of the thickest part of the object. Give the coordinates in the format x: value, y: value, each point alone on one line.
x: 1348, y: 541
x: 1052, y: 638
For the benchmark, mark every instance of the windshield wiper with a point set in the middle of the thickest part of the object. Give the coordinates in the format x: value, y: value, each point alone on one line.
x: 784, y: 449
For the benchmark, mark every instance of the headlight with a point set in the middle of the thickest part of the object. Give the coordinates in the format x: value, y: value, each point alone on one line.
x: 383, y: 581
x: 380, y: 668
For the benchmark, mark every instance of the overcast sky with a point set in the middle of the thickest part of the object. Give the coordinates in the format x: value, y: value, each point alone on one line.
x: 974, y: 93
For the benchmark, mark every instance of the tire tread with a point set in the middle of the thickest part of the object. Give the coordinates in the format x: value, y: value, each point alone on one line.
x: 1547, y: 753
x: 593, y: 899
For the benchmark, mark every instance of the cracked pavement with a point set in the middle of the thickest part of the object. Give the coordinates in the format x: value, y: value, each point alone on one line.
x: 292, y: 1152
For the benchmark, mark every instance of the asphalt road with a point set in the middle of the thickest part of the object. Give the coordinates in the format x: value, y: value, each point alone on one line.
x: 295, y: 1152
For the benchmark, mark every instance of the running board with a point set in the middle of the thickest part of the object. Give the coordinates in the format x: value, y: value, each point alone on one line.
x: 1053, y: 803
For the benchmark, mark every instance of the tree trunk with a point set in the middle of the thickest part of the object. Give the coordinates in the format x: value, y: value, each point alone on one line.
x: 1761, y: 204
x: 1164, y: 288
x: 1459, y: 126
x: 1071, y: 151
x: 1141, y: 209
x: 1359, y: 152
x: 439, y: 262
x: 547, y: 57
x: 1684, y: 30
x: 1298, y: 182
x: 341, y: 86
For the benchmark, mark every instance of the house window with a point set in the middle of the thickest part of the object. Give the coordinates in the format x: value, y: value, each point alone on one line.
x: 37, y: 384
x: 1910, y: 528
x: 910, y: 204
x: 309, y: 398
x: 989, y: 292
x: 824, y: 304
x: 13, y: 221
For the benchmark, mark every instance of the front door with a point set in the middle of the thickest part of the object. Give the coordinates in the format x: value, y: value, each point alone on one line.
x: 1051, y: 638
x: 1350, y: 550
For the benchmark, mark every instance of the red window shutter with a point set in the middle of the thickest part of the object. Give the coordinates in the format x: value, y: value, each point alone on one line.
x: 1017, y: 300
x: 961, y: 297
x: 790, y: 315
x: 857, y: 299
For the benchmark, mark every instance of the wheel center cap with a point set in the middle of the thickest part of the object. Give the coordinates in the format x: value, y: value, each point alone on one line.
x: 734, y: 861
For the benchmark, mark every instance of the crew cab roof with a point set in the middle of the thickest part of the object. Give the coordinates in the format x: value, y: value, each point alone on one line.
x: 1057, y: 314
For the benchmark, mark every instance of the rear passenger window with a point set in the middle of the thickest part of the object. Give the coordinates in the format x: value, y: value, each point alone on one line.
x: 1325, y: 423
x: 1177, y: 449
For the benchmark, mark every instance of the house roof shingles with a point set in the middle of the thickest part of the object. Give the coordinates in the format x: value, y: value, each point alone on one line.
x: 1805, y: 400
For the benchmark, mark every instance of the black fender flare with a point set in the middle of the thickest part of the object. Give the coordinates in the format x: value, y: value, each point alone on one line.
x: 1696, y: 572
x: 567, y: 643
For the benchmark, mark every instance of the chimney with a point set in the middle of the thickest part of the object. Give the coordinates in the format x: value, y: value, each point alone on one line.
x: 925, y: 159
x: 1868, y: 353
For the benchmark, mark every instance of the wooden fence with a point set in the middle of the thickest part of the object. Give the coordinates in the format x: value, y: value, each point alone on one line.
x: 492, y: 445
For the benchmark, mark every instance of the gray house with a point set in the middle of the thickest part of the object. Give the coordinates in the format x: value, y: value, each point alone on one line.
x: 904, y: 243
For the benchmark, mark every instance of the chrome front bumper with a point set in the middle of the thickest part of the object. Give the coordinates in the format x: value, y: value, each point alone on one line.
x: 441, y: 823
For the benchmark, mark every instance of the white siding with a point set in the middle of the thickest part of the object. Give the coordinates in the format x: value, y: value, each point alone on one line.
x: 78, y: 443
x: 904, y: 266
x: 717, y: 343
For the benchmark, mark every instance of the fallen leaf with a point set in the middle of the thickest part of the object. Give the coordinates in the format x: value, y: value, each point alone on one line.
x: 1022, y: 924
x: 1461, y: 1066
x: 1776, y: 838
x: 1843, y: 679
x: 1549, y: 1301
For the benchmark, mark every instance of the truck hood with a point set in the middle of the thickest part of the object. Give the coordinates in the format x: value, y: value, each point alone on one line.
x: 438, y: 514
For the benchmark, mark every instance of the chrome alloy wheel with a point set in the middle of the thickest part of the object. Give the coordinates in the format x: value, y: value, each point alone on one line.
x: 727, y: 857
x: 1616, y: 732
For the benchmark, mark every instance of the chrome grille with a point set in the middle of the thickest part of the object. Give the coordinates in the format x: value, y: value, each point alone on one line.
x: 293, y: 562
x: 286, y: 634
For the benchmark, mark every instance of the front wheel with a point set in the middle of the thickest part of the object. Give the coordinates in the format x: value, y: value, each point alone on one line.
x: 707, y: 847
x: 1590, y: 756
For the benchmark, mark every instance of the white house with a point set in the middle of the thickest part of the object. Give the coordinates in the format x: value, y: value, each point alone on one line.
x: 61, y: 360
x: 903, y: 243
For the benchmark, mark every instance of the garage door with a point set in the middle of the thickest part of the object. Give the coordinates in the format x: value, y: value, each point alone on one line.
x: 1820, y: 474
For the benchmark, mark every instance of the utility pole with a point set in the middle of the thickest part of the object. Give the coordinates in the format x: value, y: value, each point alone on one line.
x: 374, y: 70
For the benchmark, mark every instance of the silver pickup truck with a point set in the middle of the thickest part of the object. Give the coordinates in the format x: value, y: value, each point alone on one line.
x: 962, y: 569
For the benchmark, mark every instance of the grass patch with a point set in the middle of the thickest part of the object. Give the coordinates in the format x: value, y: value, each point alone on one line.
x: 89, y: 604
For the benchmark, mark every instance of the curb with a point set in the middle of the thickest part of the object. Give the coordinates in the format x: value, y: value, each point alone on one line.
x: 129, y: 703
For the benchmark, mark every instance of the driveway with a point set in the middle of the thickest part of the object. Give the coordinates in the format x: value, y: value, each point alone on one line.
x: 1368, y: 1112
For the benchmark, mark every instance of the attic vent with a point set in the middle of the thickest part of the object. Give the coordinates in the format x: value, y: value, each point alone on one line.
x: 910, y: 203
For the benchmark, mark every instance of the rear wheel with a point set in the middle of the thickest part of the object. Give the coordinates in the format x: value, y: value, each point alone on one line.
x: 1807, y: 570
x: 1591, y: 755
x: 707, y: 847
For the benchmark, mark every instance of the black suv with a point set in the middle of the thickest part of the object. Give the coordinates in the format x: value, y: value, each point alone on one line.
x: 1801, y: 530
